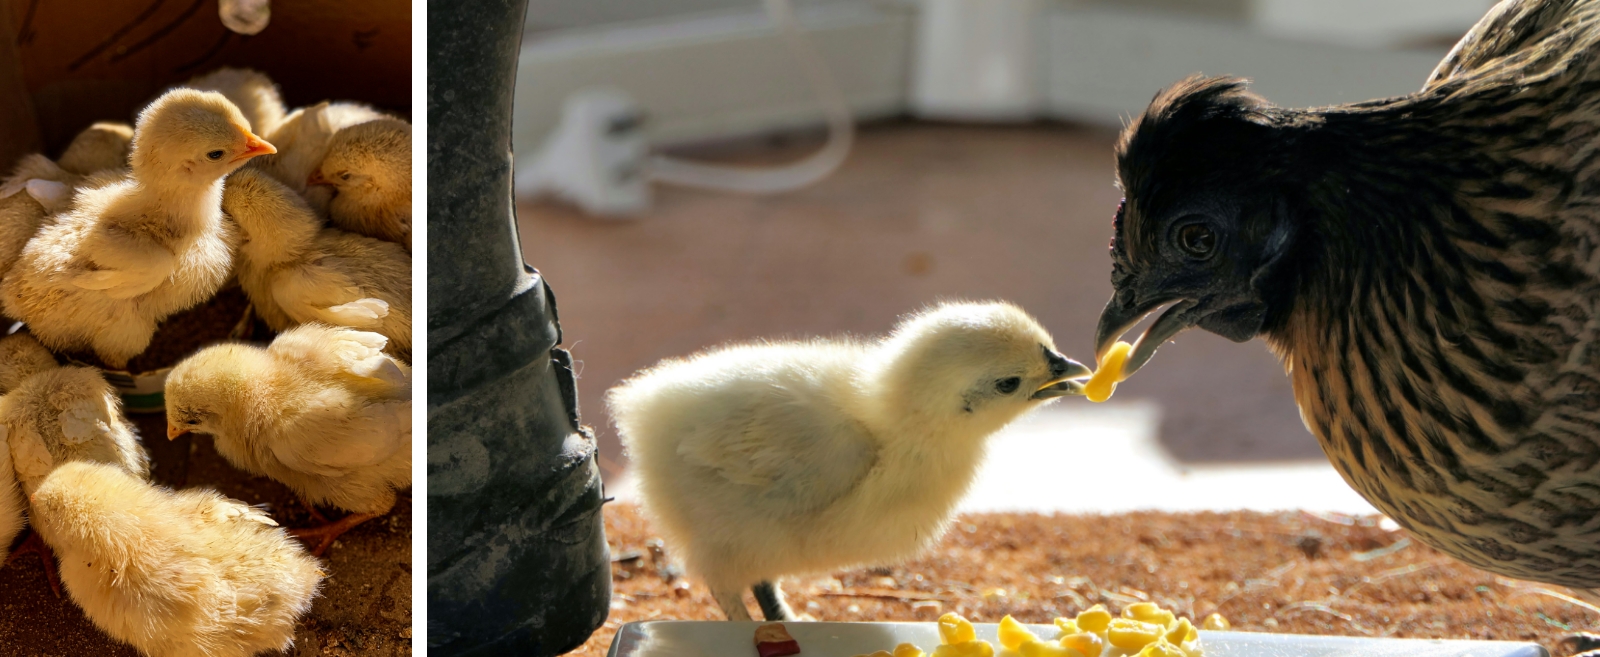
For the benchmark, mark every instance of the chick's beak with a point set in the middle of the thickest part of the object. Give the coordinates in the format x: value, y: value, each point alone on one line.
x: 1062, y: 372
x: 1122, y: 312
x: 317, y: 179
x: 255, y: 146
x: 173, y: 431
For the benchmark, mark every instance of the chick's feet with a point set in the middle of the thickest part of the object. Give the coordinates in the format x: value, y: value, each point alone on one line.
x: 1582, y: 644
x: 35, y: 545
x: 330, y: 531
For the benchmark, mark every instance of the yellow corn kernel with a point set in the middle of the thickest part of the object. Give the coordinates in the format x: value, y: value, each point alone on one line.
x: 1067, y: 626
x: 1162, y: 649
x: 1013, y: 634
x: 1149, y: 612
x: 1130, y: 634
x: 1094, y: 619
x: 1047, y: 649
x: 1181, y: 631
x: 971, y: 648
x: 955, y: 629
x: 907, y: 650
x: 1215, y: 622
x: 1088, y: 643
x: 1105, y: 379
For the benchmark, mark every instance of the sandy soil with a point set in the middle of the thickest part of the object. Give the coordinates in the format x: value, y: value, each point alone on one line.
x: 1289, y: 573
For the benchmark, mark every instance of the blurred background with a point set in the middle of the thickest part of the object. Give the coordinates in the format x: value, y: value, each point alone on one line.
x: 694, y: 172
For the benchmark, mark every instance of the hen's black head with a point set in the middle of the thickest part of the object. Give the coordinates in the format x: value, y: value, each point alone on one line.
x: 1204, y: 220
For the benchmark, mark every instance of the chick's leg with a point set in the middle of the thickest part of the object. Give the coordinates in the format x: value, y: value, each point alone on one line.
x: 35, y: 545
x: 731, y: 599
x: 770, y: 598
x: 330, y: 531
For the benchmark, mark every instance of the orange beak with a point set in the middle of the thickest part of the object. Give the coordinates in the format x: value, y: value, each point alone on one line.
x: 254, y: 146
x: 173, y: 431
x: 317, y: 179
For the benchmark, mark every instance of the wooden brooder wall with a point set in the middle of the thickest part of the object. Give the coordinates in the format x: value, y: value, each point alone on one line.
x: 66, y: 64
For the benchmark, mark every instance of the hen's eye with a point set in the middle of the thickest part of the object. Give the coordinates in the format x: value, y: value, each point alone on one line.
x: 214, y: 155
x: 1008, y: 386
x: 1197, y: 240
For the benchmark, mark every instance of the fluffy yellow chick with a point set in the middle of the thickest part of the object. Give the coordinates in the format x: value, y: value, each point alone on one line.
x: 255, y: 94
x: 296, y: 271
x: 12, y: 506
x: 186, y: 573
x: 21, y: 356
x: 103, y: 146
x: 303, y: 137
x: 322, y: 410
x: 131, y: 252
x: 369, y: 168
x: 773, y: 459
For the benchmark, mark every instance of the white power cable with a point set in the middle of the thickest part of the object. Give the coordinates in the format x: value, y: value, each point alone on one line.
x: 771, y: 180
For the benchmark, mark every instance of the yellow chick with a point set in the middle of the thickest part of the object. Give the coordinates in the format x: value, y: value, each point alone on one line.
x: 764, y: 460
x: 101, y: 147
x: 255, y: 94
x: 186, y: 573
x: 21, y: 356
x: 296, y: 271
x: 303, y: 139
x: 369, y: 168
x: 322, y: 410
x: 132, y: 252
x: 12, y: 505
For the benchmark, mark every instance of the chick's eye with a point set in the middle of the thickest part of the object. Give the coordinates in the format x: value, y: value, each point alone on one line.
x: 1008, y: 386
x: 214, y: 155
x: 344, y: 175
x: 191, y: 421
x: 1197, y: 240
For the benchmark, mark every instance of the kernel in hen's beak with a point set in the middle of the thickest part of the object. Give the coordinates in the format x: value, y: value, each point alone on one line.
x: 255, y: 146
x: 173, y: 431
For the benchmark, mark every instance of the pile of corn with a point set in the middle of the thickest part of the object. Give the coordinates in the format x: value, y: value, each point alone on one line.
x: 1144, y: 630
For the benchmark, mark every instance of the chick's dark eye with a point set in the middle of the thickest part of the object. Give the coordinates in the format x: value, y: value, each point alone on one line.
x: 1008, y: 386
x: 344, y: 175
x: 1197, y: 240
x: 191, y: 421
x: 214, y: 155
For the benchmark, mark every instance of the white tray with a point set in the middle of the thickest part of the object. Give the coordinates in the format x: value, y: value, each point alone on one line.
x: 733, y: 639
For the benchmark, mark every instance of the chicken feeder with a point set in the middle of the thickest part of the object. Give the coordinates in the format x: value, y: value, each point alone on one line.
x: 517, y: 558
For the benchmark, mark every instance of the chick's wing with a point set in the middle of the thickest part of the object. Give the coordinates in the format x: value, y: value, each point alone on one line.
x: 318, y: 293
x: 29, y: 454
x: 125, y: 265
x: 335, y: 435
x: 795, y: 452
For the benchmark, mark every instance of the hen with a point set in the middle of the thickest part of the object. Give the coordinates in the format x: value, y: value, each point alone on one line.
x: 322, y: 410
x: 369, y: 168
x: 129, y: 253
x: 765, y: 460
x: 1427, y: 267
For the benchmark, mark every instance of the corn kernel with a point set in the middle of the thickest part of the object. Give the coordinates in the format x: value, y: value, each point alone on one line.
x: 1162, y: 649
x: 955, y: 629
x: 1047, y: 649
x: 1013, y: 634
x: 1180, y: 631
x: 1067, y: 626
x: 1094, y: 619
x: 1215, y: 622
x: 1105, y: 379
x: 1130, y: 634
x: 907, y: 650
x: 1088, y: 643
x: 971, y: 648
x: 1149, y: 612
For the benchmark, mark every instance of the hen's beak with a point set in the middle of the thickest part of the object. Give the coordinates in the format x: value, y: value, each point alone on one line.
x: 1118, y: 317
x: 255, y: 146
x: 1062, y: 372
x: 317, y: 179
x: 173, y: 431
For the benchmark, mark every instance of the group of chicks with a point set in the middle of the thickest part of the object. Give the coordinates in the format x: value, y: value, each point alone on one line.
x: 132, y: 225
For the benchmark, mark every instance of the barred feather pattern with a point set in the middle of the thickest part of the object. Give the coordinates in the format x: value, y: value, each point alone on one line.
x: 1444, y: 342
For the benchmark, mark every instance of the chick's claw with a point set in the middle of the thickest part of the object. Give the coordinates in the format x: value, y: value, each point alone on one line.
x: 331, y: 531
x: 35, y: 545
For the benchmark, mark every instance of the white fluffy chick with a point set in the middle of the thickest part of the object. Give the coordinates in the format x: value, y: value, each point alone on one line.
x: 303, y: 136
x: 186, y: 573
x: 369, y: 168
x: 129, y: 253
x: 322, y: 410
x: 296, y: 271
x: 764, y: 460
x: 255, y: 94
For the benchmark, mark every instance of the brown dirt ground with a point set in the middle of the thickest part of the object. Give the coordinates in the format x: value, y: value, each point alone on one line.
x: 1285, y: 572
x: 364, y: 607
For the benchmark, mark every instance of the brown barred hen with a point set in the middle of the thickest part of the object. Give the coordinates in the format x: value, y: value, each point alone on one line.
x: 1427, y: 266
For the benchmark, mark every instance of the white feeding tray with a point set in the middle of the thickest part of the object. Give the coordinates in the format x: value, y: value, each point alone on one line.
x: 735, y: 639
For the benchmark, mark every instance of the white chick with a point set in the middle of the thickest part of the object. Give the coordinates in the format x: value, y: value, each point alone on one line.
x: 186, y: 573
x: 129, y: 253
x: 255, y: 94
x: 296, y: 271
x: 322, y: 410
x: 369, y: 168
x: 303, y: 136
x: 764, y: 460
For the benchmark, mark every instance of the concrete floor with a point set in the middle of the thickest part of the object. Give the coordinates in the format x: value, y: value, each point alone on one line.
x: 919, y: 213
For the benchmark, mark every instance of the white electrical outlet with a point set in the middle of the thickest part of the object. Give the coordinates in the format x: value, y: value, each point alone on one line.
x: 595, y: 158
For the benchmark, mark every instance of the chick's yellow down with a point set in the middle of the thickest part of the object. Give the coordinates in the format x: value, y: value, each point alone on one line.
x: 21, y: 356
x: 296, y: 271
x: 303, y: 137
x: 130, y: 253
x: 322, y: 410
x: 12, y: 506
x: 369, y: 168
x: 764, y: 460
x: 255, y: 94
x: 174, y: 573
